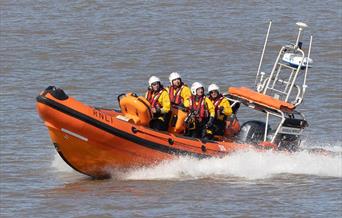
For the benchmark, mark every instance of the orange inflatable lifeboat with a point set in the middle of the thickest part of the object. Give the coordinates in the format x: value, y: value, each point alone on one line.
x: 96, y: 141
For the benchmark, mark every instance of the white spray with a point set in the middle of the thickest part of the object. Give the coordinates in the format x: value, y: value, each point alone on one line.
x: 245, y: 164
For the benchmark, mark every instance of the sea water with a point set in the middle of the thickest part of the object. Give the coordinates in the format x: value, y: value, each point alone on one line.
x: 96, y: 50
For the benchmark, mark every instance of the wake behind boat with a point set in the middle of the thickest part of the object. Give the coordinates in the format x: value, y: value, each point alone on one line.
x: 94, y: 141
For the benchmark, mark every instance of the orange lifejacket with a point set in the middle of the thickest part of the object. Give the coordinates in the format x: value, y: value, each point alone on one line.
x: 176, y: 98
x: 154, y: 99
x: 201, y: 108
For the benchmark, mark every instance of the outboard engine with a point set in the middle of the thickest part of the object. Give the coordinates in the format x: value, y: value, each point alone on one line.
x: 252, y: 132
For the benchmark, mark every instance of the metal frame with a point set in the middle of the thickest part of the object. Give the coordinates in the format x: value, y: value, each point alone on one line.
x: 267, y: 85
x: 269, y: 112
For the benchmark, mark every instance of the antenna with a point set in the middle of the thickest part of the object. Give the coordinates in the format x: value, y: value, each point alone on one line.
x: 301, y: 27
x: 263, y: 52
x: 306, y: 67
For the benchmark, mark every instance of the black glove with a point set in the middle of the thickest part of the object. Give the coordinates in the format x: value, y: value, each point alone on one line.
x: 210, y: 122
x: 221, y: 109
x: 182, y: 107
x: 194, y: 112
x: 157, y: 111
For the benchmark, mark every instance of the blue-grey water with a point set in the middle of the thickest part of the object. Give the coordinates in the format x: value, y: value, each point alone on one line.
x: 97, y: 49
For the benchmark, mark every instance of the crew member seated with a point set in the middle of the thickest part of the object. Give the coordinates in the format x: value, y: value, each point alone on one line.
x: 201, y: 116
x: 222, y: 109
x: 160, y: 104
x: 178, y: 91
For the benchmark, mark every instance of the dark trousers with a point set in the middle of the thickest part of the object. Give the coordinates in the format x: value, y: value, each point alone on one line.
x: 161, y: 122
x: 219, y: 127
x: 200, y: 131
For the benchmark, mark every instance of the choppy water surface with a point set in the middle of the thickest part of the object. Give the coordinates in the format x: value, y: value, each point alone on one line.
x: 96, y: 50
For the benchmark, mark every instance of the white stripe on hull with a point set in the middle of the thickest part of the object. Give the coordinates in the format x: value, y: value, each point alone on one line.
x: 75, y: 134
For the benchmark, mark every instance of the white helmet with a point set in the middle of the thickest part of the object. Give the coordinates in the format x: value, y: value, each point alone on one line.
x: 213, y: 87
x: 195, y: 86
x: 173, y: 76
x: 153, y: 79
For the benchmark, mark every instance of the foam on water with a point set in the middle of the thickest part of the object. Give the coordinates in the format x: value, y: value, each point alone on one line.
x: 248, y: 164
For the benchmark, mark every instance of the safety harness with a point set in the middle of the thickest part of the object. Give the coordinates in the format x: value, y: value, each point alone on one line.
x: 176, y: 98
x: 153, y: 98
x: 217, y: 102
x: 201, y: 108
